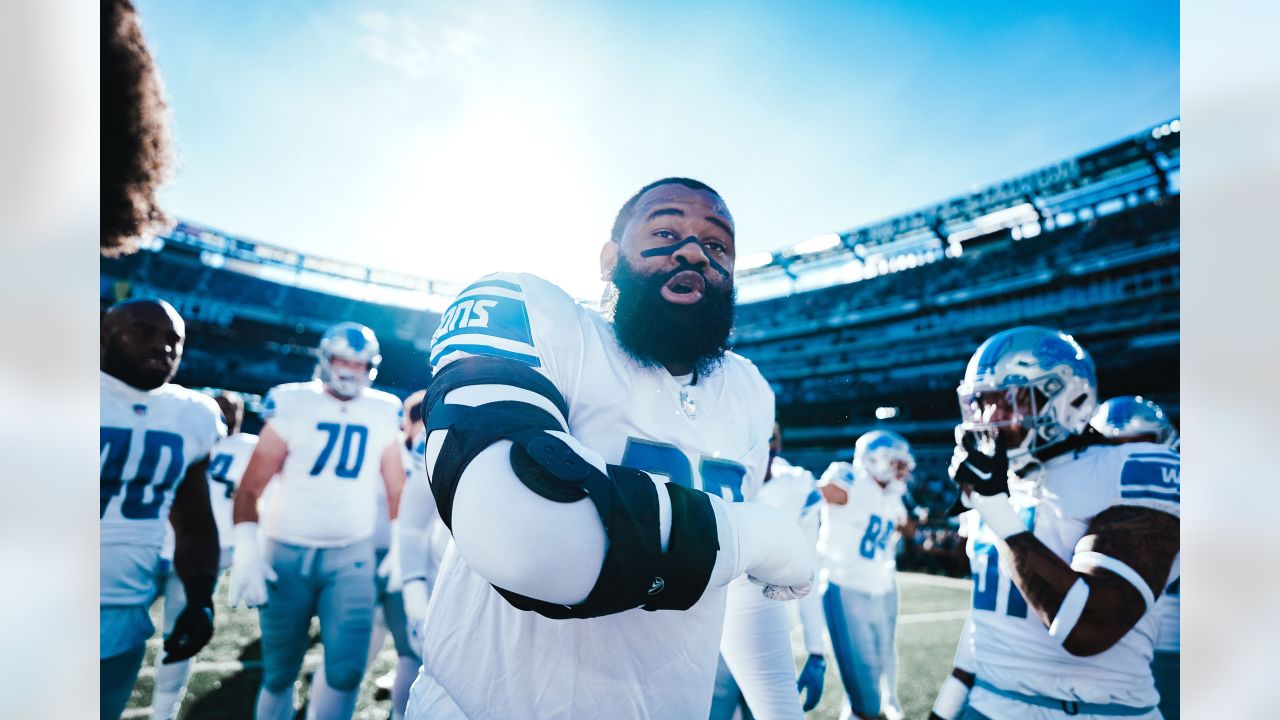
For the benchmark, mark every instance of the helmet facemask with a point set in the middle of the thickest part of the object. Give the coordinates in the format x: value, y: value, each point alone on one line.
x: 349, y: 359
x: 1023, y: 411
x: 345, y: 382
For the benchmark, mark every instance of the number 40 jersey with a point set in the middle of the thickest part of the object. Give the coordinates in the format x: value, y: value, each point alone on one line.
x: 326, y: 496
x: 147, y: 439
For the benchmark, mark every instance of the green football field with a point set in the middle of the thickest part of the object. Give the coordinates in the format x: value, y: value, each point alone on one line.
x: 226, y: 674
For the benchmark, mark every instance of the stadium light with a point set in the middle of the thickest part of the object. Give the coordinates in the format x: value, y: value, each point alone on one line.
x: 754, y: 260
x: 885, y: 413
x: 817, y: 244
x: 1019, y: 214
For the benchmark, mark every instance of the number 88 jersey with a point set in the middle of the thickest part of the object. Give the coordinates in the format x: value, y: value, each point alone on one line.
x: 326, y: 495
x: 147, y: 439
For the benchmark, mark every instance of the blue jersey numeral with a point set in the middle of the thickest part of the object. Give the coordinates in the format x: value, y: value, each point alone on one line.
x: 113, y: 446
x: 719, y: 477
x: 349, y: 461
x: 988, y: 576
x: 873, y: 538
x: 219, y: 466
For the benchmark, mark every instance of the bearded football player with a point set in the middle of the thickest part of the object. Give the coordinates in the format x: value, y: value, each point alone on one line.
x: 592, y: 471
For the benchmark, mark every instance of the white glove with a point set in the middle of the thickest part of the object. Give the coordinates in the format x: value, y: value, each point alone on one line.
x: 416, y: 599
x: 784, y: 592
x: 249, y: 570
x: 390, y: 568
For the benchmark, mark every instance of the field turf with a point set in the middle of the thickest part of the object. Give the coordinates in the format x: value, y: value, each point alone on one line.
x: 227, y: 672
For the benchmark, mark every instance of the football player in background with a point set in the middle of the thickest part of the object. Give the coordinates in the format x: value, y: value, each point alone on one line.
x: 155, y: 439
x: 327, y: 443
x: 862, y: 520
x: 1132, y: 418
x: 423, y: 535
x: 594, y: 470
x: 227, y: 462
x: 770, y: 692
x: 1076, y: 539
x: 399, y: 680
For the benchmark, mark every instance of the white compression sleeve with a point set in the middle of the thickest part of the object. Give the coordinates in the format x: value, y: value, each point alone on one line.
x: 767, y: 544
x: 417, y: 514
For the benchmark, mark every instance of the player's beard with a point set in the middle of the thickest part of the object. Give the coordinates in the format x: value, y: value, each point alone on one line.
x: 657, y: 333
x: 120, y: 365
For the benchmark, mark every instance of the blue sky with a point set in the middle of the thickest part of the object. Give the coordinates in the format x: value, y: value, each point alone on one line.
x: 451, y: 139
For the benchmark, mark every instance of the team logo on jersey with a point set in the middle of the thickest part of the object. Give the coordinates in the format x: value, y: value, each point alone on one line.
x: 657, y: 586
x: 139, y: 409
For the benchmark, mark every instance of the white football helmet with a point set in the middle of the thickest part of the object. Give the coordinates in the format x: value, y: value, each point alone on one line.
x: 1130, y: 417
x: 352, y: 342
x: 1036, y: 378
x: 875, y: 454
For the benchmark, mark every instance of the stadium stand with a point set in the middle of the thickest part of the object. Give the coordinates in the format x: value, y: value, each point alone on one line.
x: 248, y: 331
x: 1089, y: 245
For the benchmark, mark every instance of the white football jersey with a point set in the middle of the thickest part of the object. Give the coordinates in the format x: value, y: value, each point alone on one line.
x: 327, y: 488
x: 147, y: 440
x: 1011, y: 646
x: 495, y: 661
x: 227, y: 461
x: 859, y: 540
x: 1169, y: 618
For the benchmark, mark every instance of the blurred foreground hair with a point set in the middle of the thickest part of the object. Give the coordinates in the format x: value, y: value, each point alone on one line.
x: 135, y: 136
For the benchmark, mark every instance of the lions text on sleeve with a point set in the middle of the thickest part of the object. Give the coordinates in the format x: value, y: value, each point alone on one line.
x: 710, y: 435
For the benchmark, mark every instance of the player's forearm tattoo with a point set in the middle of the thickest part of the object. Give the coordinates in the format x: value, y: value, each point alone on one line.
x: 1043, y: 577
x: 1144, y: 539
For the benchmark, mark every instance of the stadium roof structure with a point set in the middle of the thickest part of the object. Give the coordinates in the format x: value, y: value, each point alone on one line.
x: 280, y: 264
x: 1142, y: 168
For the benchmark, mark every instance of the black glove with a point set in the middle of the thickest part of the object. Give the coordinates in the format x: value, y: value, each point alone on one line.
x: 986, y: 474
x: 194, y: 627
x: 191, y: 632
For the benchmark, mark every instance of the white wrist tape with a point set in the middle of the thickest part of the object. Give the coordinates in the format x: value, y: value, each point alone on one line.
x: 247, y: 537
x: 998, y: 514
x: 1090, y: 559
x: 1069, y: 612
x: 416, y: 597
x: 951, y: 698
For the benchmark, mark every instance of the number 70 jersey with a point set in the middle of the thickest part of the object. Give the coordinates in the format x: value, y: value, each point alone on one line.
x: 326, y: 496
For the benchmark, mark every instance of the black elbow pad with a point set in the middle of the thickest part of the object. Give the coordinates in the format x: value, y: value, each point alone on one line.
x: 635, y: 572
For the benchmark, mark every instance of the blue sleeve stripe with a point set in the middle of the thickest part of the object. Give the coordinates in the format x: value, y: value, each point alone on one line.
x: 491, y: 283
x: 1149, y: 495
x: 530, y: 360
x: 1168, y: 456
x: 1174, y: 588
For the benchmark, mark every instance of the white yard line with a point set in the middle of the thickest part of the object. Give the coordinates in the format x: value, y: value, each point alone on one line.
x: 915, y: 618
x: 909, y: 578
